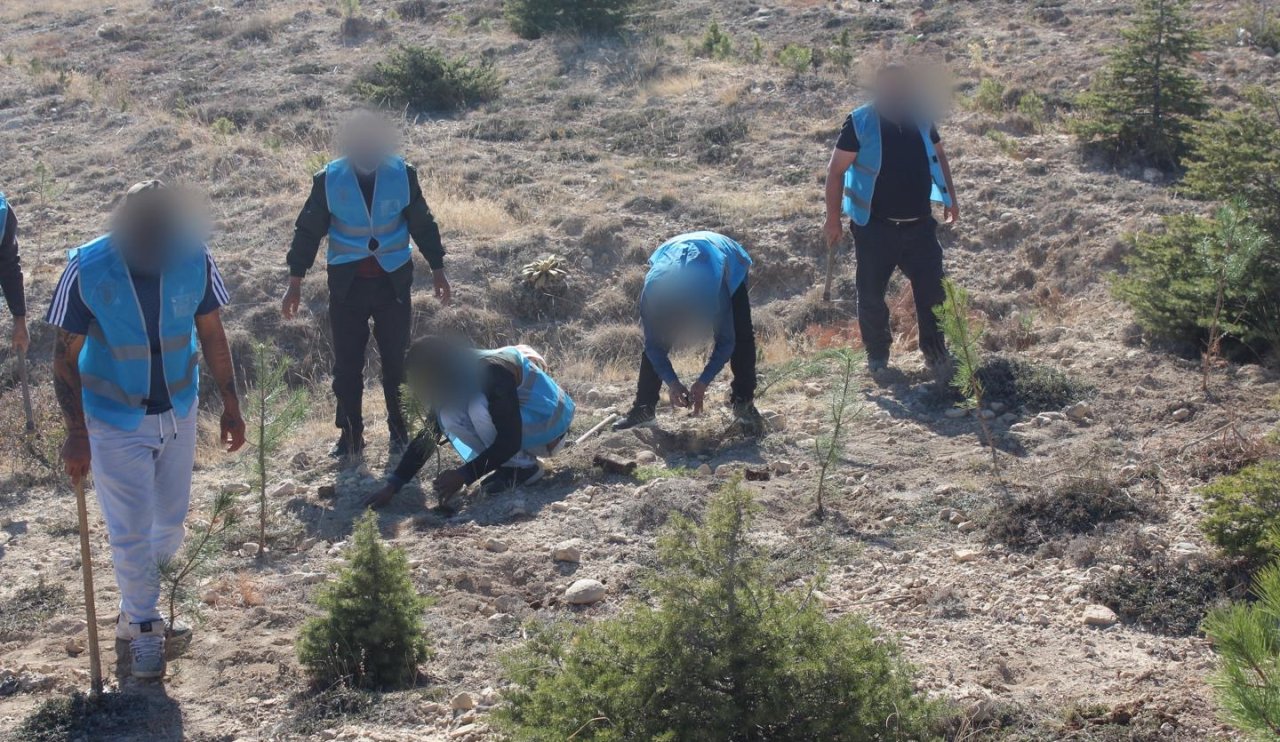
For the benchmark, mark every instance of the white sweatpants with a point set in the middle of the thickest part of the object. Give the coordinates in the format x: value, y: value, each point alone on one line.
x: 474, y: 427
x: 143, y: 481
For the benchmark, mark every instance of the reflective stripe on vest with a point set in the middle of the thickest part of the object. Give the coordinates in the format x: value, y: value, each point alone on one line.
x: 353, y: 225
x: 860, y: 179
x: 115, y: 363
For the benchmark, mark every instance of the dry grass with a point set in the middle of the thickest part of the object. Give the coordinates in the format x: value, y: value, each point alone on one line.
x: 459, y: 213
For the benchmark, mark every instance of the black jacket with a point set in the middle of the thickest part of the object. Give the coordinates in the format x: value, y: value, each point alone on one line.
x: 11, y: 268
x: 312, y: 228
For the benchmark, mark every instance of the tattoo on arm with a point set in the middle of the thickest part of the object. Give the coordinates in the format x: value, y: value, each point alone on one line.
x: 66, y: 379
x: 217, y: 353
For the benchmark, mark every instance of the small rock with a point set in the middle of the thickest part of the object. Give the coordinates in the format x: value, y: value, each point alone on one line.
x: 703, y: 471
x: 585, y: 592
x: 326, y: 492
x: 955, y: 413
x: 782, y: 467
x: 284, y: 489
x: 724, y: 471
x: 337, y: 548
x: 1099, y: 615
x: 1079, y: 411
x: 567, y: 551
x: 235, y: 488
x: 647, y: 457
x: 966, y: 555
x: 463, y: 701
x: 250, y: 548
x: 66, y: 626
x: 495, y: 546
x: 1181, y: 414
x: 74, y: 646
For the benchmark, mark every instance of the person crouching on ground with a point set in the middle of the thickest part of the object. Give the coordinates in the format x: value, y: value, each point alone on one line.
x: 499, y: 409
x: 134, y: 308
x: 697, y: 284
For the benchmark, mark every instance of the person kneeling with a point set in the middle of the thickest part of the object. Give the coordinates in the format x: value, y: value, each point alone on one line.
x: 499, y: 409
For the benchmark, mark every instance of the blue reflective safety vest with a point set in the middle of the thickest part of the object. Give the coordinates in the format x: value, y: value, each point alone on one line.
x: 354, y: 227
x: 4, y: 216
x: 691, y: 270
x: 546, y: 411
x: 860, y: 179
x: 115, y: 363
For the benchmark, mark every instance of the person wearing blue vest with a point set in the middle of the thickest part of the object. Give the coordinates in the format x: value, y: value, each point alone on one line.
x: 499, y: 409
x: 134, y: 309
x: 11, y: 284
x: 368, y: 204
x: 887, y: 167
x: 696, y: 286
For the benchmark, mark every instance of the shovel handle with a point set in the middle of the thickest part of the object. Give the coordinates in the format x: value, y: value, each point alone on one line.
x: 90, y: 609
x: 26, y: 393
x: 831, y: 270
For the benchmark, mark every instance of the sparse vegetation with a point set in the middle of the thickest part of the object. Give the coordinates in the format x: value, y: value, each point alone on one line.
x: 1246, y: 637
x: 22, y: 614
x: 715, y: 44
x: 371, y: 635
x: 1076, y: 507
x: 533, y: 19
x: 426, y: 80
x: 1244, y: 512
x: 1142, y: 105
x: 275, y: 411
x: 722, y: 655
x: 989, y: 97
x: 829, y: 447
x: 796, y: 59
x: 196, y: 556
x: 1031, y: 386
x: 1163, y: 596
x: 965, y: 341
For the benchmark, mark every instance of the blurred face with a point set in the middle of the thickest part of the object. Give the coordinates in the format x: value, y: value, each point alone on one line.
x: 153, y: 226
x: 894, y: 92
x: 367, y: 140
x: 441, y: 372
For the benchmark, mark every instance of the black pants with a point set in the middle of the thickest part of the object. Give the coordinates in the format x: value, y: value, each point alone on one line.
x: 880, y: 248
x: 742, y: 363
x: 369, y: 299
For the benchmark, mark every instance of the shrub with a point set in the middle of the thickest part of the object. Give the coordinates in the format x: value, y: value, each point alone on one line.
x: 796, y: 58
x: 1142, y: 103
x: 1247, y: 638
x: 371, y: 635
x: 531, y: 19
x: 724, y: 655
x: 1163, y: 597
x: 1244, y: 512
x: 1236, y: 155
x: 989, y: 97
x: 1174, y: 278
x: 1077, y: 507
x: 424, y: 79
x: 1032, y: 386
x: 715, y: 44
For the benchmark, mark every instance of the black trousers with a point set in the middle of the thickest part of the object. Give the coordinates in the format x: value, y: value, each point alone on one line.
x: 349, y: 315
x: 881, y: 247
x: 742, y: 363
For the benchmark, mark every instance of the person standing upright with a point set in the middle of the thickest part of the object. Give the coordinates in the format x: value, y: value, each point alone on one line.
x: 369, y: 205
x: 11, y: 284
x: 887, y: 166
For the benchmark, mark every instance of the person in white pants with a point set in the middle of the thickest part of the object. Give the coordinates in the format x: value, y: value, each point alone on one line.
x: 134, y: 308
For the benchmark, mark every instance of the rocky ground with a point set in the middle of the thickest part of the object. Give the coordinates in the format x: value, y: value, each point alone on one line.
x: 598, y: 151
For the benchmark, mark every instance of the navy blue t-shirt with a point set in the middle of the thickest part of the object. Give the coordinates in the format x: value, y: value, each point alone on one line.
x: 69, y: 312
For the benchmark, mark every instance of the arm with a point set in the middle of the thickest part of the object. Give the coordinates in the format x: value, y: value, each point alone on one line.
x: 421, y: 448
x: 66, y: 388
x: 504, y: 410
x: 724, y: 341
x: 952, y: 214
x: 310, y: 229
x: 11, y: 284
x: 841, y: 161
x: 217, y: 353
x: 426, y: 235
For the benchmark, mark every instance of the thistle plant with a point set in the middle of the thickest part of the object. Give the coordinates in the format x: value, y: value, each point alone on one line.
x: 177, y: 573
x: 275, y: 411
x: 965, y: 338
x: 546, y: 272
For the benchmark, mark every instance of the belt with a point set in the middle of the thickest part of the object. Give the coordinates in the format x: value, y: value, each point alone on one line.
x: 900, y: 222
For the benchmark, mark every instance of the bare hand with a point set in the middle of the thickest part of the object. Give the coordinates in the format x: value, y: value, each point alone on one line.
x: 292, y: 300
x: 448, y: 483
x: 833, y: 230
x: 381, y: 498
x: 951, y: 214
x: 21, y: 340
x: 444, y: 292
x: 75, y: 455
x: 678, y: 394
x: 232, y: 435
x: 697, y: 395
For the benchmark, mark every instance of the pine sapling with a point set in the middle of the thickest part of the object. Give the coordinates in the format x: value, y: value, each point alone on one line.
x: 965, y: 340
x: 202, y: 545
x: 1247, y: 638
x: 276, y: 410
x: 828, y: 447
x: 1226, y: 254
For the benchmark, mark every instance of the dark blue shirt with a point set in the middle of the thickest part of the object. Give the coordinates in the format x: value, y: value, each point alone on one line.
x: 69, y: 312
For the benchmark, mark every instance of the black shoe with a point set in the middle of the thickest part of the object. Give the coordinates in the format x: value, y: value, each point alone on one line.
x: 349, y: 445
x: 877, y: 364
x: 639, y: 416
x: 748, y: 419
x: 507, y: 478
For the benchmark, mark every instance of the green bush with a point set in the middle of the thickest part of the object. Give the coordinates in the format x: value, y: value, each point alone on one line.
x: 531, y: 19
x: 371, y: 635
x: 1236, y: 156
x: 796, y: 58
x: 724, y: 655
x: 1142, y: 104
x: 1247, y: 638
x: 989, y: 97
x: 425, y: 80
x: 1032, y: 386
x: 1244, y: 512
x: 715, y: 44
x: 1164, y: 597
x: 1174, y: 280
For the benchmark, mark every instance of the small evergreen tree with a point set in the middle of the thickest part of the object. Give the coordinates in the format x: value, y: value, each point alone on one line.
x: 275, y: 411
x: 1236, y: 156
x: 965, y: 341
x: 371, y: 635
x: 426, y: 80
x: 724, y: 655
x: 532, y: 19
x: 715, y: 44
x: 198, y: 551
x: 830, y: 446
x: 1247, y: 638
x: 1142, y: 103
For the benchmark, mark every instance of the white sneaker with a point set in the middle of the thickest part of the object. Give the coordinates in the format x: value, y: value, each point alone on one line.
x: 175, y: 632
x: 147, y: 650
